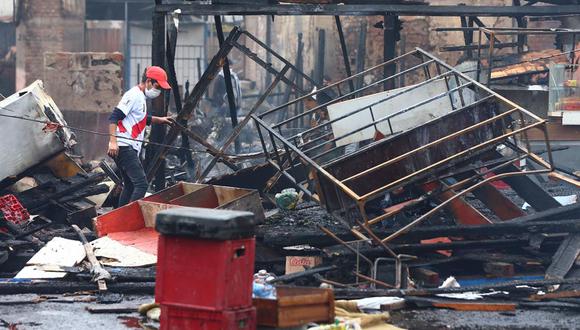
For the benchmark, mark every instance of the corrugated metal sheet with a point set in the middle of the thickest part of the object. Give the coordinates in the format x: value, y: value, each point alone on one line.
x: 105, y: 36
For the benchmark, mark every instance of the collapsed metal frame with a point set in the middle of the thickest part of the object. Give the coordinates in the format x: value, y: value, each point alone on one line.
x: 287, y: 152
x: 219, y: 61
x: 155, y: 156
x: 487, y: 40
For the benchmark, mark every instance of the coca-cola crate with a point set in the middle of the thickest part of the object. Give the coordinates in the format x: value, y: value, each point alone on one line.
x: 175, y: 317
x: 205, y: 259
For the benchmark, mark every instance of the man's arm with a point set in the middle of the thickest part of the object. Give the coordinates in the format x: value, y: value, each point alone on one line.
x: 114, y: 119
x: 113, y: 146
x: 161, y: 120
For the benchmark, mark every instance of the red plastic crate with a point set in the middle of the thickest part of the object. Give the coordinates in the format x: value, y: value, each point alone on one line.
x: 181, y: 318
x: 205, y: 274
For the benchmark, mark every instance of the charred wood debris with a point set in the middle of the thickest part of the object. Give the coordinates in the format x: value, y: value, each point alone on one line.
x: 395, y: 211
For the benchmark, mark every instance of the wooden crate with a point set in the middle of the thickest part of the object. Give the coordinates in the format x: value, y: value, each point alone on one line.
x: 296, y: 306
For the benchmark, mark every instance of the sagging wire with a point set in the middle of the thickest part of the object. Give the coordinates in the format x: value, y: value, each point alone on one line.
x: 52, y: 127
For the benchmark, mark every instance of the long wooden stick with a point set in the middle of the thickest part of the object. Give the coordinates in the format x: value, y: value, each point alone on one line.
x: 99, y: 273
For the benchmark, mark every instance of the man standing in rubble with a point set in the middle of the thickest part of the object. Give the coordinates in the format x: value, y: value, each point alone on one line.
x: 127, y: 130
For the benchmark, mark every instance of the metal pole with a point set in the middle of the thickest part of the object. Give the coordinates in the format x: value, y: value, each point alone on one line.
x: 269, y: 43
x: 127, y: 75
x: 319, y: 69
x: 158, y: 104
x: 228, y: 80
x: 390, y: 44
x: 344, y: 52
x: 171, y: 48
x: 361, y: 54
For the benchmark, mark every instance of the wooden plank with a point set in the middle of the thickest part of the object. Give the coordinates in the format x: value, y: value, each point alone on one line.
x: 99, y: 273
x: 556, y: 295
x: 205, y: 197
x: 300, y: 315
x: 564, y: 258
x: 250, y: 202
x: 462, y: 305
x: 112, y: 309
x: 164, y: 196
x: 149, y: 212
x: 365, y: 9
x: 303, y: 300
x: 426, y: 276
x: 228, y: 194
x: 530, y: 224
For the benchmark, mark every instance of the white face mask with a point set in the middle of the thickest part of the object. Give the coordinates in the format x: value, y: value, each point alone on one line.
x: 152, y: 93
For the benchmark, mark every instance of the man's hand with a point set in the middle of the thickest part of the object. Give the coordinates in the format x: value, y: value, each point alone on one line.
x: 113, y: 149
x: 162, y: 120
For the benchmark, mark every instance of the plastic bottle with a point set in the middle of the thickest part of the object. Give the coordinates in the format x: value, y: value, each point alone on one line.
x: 262, y: 287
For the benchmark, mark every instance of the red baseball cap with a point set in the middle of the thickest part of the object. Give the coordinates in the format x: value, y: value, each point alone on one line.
x: 157, y: 73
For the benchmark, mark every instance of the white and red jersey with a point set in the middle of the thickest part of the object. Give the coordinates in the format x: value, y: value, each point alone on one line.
x: 134, y: 106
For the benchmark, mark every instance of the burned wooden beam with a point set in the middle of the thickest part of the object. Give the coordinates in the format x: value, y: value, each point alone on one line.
x: 506, y: 286
x: 194, y: 98
x: 462, y: 305
x: 99, y: 273
x: 556, y: 295
x: 498, y: 229
x: 565, y: 257
x: 366, y: 9
x: 530, y: 191
x: 305, y: 273
x: 571, y: 211
x: 425, y: 276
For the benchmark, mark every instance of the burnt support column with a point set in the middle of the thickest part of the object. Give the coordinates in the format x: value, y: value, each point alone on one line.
x: 185, y: 152
x: 228, y: 80
x: 158, y: 104
x: 344, y: 52
x: 467, y: 35
x: 269, y: 43
x: 361, y: 54
x: 320, y: 55
x: 389, y: 49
